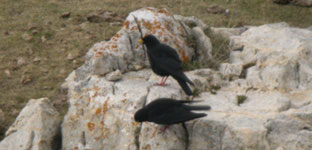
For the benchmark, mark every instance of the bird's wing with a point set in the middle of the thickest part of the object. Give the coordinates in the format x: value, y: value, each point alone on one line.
x: 176, y: 115
x: 167, y: 51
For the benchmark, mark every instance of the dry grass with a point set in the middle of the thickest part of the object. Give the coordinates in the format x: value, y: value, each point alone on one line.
x: 75, y: 35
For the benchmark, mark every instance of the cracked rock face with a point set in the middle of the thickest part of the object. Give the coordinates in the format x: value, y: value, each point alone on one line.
x: 281, y: 56
x: 34, y: 128
x: 269, y: 67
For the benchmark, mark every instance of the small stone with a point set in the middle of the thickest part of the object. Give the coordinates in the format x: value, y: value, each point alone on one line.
x: 7, y: 73
x: 70, y: 56
x: 115, y: 23
x: 27, y: 37
x: 138, y: 67
x: 43, y: 39
x: 114, y: 76
x: 37, y: 59
x: 25, y: 79
x: 215, y: 9
x: 65, y: 15
x: 21, y: 61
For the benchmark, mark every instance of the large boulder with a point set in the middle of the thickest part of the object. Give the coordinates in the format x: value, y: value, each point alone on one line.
x: 260, y: 99
x: 35, y: 128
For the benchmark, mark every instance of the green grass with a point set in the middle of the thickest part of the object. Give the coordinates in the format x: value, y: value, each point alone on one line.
x: 75, y: 35
x: 241, y: 99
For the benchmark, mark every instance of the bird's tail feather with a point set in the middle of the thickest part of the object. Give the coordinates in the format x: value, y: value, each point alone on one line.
x: 188, y: 80
x: 205, y: 107
x: 185, y: 87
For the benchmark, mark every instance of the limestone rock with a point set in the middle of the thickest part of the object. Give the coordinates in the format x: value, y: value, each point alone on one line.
x: 272, y: 69
x: 228, y: 32
x: 231, y: 71
x: 114, y: 76
x: 34, y: 128
x: 123, y: 52
x: 280, y: 55
x: 204, y: 46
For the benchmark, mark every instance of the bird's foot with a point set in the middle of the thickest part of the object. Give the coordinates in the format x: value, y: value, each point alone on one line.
x: 160, y: 84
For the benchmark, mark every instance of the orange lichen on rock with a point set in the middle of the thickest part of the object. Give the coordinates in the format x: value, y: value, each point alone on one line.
x: 95, y: 94
x: 106, y: 133
x: 98, y: 111
x: 126, y: 24
x: 91, y: 126
x: 160, y: 34
x: 98, y: 54
x: 105, y: 107
x: 114, y: 46
x: 181, y: 30
x: 147, y: 25
x: 166, y: 40
x: 164, y: 12
x: 183, y: 55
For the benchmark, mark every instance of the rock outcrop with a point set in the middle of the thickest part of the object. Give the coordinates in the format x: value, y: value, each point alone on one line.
x: 35, y: 128
x: 260, y: 100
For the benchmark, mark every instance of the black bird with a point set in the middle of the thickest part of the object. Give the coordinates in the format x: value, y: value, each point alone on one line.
x: 165, y: 61
x: 167, y: 111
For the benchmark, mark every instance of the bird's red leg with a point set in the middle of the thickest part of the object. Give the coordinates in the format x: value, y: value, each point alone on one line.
x: 164, y: 129
x: 163, y: 81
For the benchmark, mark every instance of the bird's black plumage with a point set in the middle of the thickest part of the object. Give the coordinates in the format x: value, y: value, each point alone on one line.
x: 169, y: 111
x: 165, y: 61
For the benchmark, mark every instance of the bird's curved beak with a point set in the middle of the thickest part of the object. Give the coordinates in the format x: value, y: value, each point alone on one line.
x: 140, y: 41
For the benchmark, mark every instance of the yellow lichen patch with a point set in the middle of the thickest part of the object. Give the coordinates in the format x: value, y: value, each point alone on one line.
x: 98, y: 111
x: 91, y: 126
x: 126, y: 24
x: 134, y: 123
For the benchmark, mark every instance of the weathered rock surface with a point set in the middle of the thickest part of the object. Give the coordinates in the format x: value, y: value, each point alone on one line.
x: 279, y: 54
x: 272, y: 69
x: 34, y: 128
x: 123, y: 52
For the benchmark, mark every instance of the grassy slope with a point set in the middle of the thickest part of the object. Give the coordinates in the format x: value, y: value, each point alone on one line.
x: 75, y: 35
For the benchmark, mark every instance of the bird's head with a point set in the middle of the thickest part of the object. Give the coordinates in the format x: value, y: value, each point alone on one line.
x: 140, y: 115
x: 149, y: 40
